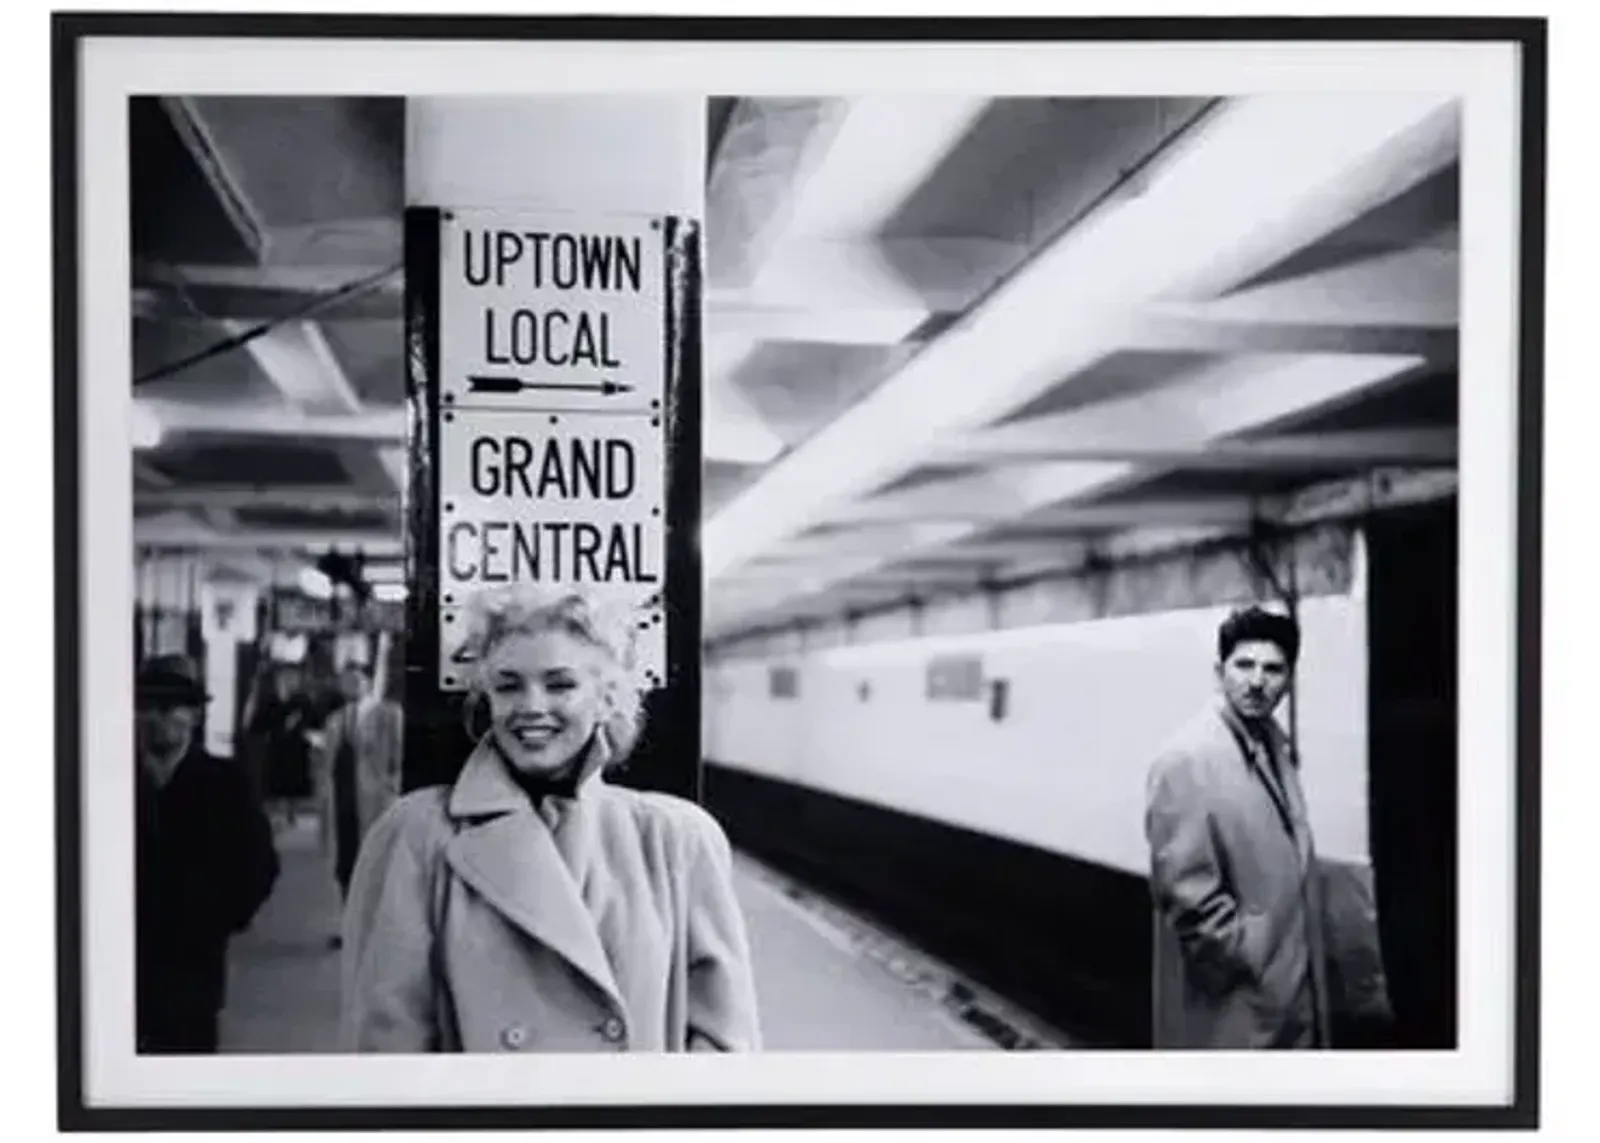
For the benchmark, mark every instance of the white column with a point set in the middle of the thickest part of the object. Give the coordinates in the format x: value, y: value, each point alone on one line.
x: 629, y: 154
x: 588, y: 156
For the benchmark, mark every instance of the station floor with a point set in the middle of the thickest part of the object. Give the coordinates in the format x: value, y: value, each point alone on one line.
x: 816, y: 989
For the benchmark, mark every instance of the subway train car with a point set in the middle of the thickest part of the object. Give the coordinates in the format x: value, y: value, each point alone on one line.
x: 973, y: 769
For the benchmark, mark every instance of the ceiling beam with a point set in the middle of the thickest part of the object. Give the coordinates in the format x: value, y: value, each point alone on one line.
x: 1315, y: 162
x: 340, y: 242
x: 1023, y: 443
x: 1212, y: 402
x: 334, y: 498
x: 297, y: 359
x: 169, y: 532
x: 378, y: 426
x: 827, y: 318
x: 767, y: 146
x: 1418, y: 288
x: 201, y: 144
x: 796, y: 188
x: 882, y: 150
x: 294, y: 355
x: 989, y: 496
x: 312, y: 278
x: 1200, y: 331
x: 895, y: 274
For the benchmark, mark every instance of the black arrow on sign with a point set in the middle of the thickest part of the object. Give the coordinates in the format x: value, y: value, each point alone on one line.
x: 482, y: 384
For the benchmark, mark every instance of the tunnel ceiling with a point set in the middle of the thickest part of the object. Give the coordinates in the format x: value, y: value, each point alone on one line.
x: 868, y: 261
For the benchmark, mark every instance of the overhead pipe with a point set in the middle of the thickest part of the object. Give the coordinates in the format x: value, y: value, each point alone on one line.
x: 236, y: 341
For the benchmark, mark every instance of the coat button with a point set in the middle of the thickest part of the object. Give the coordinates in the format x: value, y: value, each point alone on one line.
x: 514, y: 1037
x: 612, y: 1029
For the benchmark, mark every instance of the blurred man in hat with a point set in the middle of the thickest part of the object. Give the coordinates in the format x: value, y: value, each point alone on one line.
x: 205, y: 862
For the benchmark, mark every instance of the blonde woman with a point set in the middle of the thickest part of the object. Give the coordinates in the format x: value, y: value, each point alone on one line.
x: 532, y: 906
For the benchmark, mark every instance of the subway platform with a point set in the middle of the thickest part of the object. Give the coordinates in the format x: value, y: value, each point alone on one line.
x: 826, y: 979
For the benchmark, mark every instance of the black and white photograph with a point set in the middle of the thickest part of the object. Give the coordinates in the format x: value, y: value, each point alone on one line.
x: 792, y: 576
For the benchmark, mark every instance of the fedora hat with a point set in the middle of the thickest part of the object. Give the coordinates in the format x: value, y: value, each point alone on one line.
x: 171, y: 679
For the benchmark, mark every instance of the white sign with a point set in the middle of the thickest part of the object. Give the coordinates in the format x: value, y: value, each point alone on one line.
x: 568, y: 499
x: 552, y: 311
x: 222, y: 664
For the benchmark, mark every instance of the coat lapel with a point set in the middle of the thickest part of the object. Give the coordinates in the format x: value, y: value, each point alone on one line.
x: 1289, y: 813
x: 512, y: 860
x: 1294, y: 797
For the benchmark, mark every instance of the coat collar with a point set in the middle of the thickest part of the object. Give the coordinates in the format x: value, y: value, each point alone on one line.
x: 485, y: 788
x: 1274, y: 771
x: 513, y: 860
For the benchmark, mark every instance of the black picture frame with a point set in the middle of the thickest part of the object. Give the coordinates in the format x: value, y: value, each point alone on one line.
x: 70, y: 30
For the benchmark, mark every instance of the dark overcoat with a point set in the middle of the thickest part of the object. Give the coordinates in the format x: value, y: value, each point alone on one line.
x: 205, y: 864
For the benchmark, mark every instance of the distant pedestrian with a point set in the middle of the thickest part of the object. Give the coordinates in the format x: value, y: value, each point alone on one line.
x: 280, y: 726
x: 362, y: 743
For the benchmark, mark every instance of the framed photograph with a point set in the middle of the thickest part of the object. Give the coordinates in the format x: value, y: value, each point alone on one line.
x: 808, y: 572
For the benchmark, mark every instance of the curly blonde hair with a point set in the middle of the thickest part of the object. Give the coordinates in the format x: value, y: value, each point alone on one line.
x: 530, y: 609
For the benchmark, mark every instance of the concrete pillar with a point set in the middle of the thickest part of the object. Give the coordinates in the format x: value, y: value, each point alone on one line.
x: 593, y: 157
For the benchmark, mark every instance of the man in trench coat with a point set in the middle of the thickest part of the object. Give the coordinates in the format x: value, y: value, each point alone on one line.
x: 1239, y: 948
x: 360, y: 770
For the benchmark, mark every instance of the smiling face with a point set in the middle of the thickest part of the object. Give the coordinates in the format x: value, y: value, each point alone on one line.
x: 1254, y: 678
x: 544, y: 692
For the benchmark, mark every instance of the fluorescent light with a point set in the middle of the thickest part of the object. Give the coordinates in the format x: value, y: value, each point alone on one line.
x: 315, y: 584
x: 1266, y: 174
x: 144, y: 430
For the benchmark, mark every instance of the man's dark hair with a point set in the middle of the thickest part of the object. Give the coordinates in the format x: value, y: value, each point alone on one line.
x: 1256, y: 624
